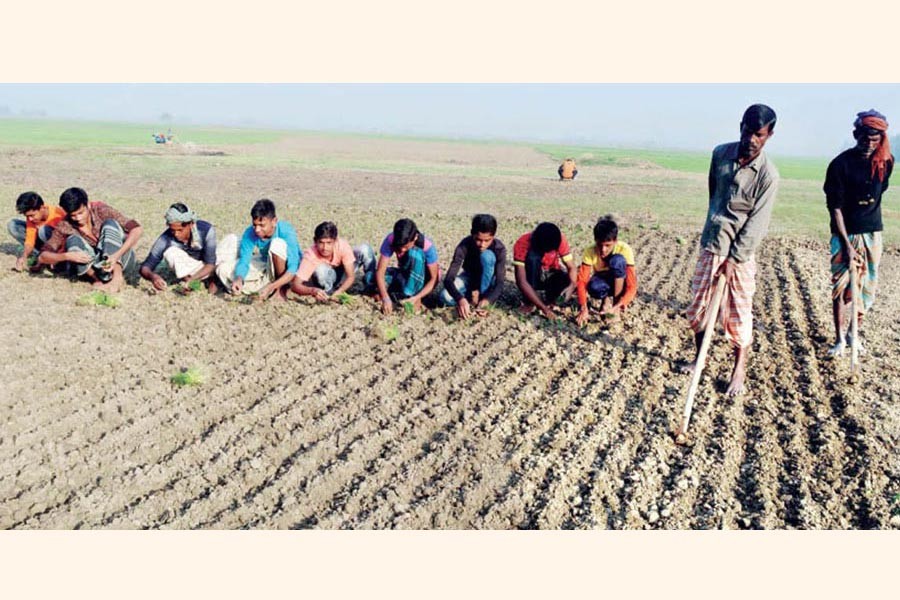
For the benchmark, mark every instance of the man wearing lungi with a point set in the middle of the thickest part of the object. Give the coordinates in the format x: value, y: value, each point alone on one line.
x: 743, y: 183
x: 854, y: 183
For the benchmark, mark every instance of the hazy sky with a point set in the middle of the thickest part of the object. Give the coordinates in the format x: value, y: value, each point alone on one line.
x: 813, y: 119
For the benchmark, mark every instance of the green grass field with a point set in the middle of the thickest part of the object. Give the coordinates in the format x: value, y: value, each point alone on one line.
x: 30, y: 132
x: 654, y: 186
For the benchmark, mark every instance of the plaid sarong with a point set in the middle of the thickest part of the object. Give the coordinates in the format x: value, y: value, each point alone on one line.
x: 736, y: 310
x: 869, y: 246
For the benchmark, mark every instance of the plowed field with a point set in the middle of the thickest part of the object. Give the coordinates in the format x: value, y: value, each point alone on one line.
x: 311, y: 417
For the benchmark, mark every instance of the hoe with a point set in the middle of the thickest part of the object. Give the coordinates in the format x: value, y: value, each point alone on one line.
x: 854, y: 325
x: 681, y: 435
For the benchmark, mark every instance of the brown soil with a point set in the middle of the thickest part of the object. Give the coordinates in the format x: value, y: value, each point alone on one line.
x: 310, y: 418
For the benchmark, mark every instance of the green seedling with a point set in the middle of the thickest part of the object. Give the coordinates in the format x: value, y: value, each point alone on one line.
x: 680, y: 241
x: 31, y: 262
x: 345, y: 298
x: 391, y: 333
x: 195, y: 285
x: 98, y: 298
x: 188, y: 376
x: 656, y: 227
x: 409, y: 309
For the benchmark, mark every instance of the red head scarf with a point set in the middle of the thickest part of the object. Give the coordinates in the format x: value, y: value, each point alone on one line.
x: 882, y: 154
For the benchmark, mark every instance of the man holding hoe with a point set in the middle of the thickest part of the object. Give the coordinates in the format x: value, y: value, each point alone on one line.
x: 743, y: 183
x: 854, y: 183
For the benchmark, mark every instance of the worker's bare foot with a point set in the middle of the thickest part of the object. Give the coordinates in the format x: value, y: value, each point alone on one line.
x: 736, y: 386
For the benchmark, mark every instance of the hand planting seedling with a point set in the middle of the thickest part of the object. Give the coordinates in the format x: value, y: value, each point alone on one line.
x: 409, y: 309
x: 194, y: 285
x: 98, y: 298
x: 187, y: 376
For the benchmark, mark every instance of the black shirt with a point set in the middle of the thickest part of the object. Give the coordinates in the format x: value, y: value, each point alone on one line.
x: 468, y: 257
x: 849, y: 186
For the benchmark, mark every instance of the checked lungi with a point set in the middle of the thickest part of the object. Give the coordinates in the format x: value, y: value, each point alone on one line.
x: 869, y: 246
x: 736, y: 309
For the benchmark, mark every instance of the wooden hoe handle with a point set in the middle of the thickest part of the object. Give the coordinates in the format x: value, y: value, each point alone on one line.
x: 712, y: 315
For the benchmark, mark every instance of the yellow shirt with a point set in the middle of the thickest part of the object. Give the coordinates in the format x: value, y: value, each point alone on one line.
x: 592, y: 257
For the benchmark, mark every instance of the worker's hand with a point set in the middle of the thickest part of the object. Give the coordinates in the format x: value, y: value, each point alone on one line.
x: 582, y: 318
x: 727, y: 269
x: 237, y: 285
x: 266, y: 292
x: 612, y: 309
x: 567, y: 293
x: 548, y: 312
x: 387, y: 307
x: 158, y: 282
x: 321, y: 296
x: 78, y: 257
x: 482, y: 308
x: 463, y: 309
x: 20, y: 263
x: 851, y: 255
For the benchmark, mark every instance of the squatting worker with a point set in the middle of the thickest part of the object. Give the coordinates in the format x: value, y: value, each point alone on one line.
x: 854, y: 184
x: 743, y: 183
x: 187, y: 246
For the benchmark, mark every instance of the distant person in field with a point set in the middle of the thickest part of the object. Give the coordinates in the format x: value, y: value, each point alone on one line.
x: 743, y: 183
x: 331, y: 266
x: 567, y: 170
x: 607, y: 272
x: 854, y: 184
x: 188, y: 247
x: 475, y: 278
x: 416, y: 272
x: 267, y: 258
x: 95, y: 240
x: 543, y: 263
x: 36, y: 228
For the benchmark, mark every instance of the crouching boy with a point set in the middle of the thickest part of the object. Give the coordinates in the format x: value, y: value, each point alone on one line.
x: 475, y: 278
x: 539, y: 258
x: 95, y: 240
x: 269, y: 272
x: 330, y: 262
x: 37, y: 227
x: 416, y: 272
x: 607, y: 272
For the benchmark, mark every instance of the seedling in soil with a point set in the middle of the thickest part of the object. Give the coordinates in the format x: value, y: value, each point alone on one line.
x: 345, y: 298
x: 187, y: 376
x: 896, y: 502
x: 194, y: 285
x: 391, y: 333
x: 680, y: 241
x: 409, y: 309
x: 99, y: 298
x: 31, y: 262
x: 249, y: 298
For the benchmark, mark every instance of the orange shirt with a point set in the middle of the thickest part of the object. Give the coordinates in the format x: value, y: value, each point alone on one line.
x: 55, y: 214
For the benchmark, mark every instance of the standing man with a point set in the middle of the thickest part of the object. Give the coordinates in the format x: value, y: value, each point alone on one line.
x: 95, y: 239
x: 743, y: 183
x: 854, y: 183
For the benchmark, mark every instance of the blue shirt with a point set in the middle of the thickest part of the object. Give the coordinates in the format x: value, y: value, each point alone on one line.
x: 250, y: 240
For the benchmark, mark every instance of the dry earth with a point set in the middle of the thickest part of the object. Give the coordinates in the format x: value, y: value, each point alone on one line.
x: 310, y: 417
